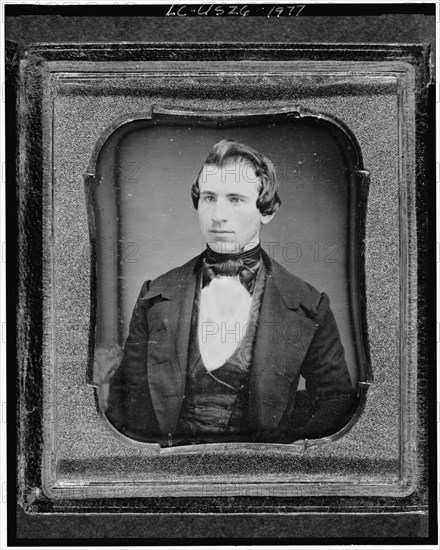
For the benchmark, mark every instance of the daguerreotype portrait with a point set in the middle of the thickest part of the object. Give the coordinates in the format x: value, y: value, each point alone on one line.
x: 216, y: 347
x: 228, y: 295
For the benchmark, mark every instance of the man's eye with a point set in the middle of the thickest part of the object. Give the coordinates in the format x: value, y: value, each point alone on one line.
x: 235, y: 200
x: 208, y: 198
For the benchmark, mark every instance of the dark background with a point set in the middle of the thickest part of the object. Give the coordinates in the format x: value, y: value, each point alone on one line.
x: 340, y: 28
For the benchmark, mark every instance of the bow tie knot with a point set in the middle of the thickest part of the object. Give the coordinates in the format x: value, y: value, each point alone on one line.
x: 228, y: 267
x: 245, y: 265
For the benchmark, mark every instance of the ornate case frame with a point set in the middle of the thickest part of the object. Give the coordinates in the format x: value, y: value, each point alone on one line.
x: 69, y: 96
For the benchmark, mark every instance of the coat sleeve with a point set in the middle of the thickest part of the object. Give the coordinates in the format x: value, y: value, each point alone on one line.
x: 129, y: 405
x: 327, y: 377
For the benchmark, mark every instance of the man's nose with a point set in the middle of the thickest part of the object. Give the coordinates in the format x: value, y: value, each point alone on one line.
x: 220, y: 212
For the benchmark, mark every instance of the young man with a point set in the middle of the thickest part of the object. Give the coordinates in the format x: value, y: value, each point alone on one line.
x: 216, y: 347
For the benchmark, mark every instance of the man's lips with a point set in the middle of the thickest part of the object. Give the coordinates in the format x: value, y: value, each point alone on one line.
x: 219, y: 231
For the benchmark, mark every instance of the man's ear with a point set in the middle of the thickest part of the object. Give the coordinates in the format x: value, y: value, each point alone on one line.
x: 267, y: 218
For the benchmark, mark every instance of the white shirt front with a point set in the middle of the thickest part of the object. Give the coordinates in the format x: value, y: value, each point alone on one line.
x: 225, y: 306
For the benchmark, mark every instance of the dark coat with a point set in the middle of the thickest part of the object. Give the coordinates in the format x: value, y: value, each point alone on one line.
x: 297, y: 334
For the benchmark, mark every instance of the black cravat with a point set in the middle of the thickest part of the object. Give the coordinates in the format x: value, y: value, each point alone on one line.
x: 245, y: 264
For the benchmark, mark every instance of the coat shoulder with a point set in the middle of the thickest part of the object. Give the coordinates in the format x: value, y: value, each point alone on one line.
x: 177, y: 273
x: 170, y: 282
x: 295, y: 291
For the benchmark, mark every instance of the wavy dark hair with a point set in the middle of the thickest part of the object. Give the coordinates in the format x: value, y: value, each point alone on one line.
x: 227, y: 151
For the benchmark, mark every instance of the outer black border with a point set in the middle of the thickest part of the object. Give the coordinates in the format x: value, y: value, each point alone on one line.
x: 200, y: 10
x: 384, y: 519
x: 12, y: 54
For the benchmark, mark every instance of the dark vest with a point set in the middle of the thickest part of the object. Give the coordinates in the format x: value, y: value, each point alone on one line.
x: 216, y: 401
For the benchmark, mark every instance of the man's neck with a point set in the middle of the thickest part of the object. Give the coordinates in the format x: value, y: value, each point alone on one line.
x: 229, y: 250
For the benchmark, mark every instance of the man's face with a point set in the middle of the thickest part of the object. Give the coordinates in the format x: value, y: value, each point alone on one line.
x: 228, y: 214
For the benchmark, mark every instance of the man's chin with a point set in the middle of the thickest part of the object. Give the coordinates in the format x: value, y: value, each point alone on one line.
x: 223, y: 244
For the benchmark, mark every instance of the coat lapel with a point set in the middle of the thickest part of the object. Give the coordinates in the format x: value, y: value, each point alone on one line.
x: 283, y: 337
x: 169, y: 321
x: 181, y: 313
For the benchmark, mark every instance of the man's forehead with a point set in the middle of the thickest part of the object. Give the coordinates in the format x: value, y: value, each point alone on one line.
x: 238, y: 172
